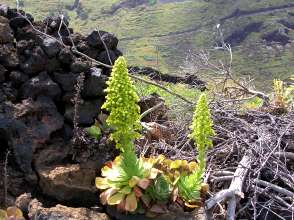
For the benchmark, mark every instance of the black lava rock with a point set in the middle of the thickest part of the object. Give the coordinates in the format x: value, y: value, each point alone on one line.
x: 94, y: 84
x: 51, y: 47
x: 41, y: 85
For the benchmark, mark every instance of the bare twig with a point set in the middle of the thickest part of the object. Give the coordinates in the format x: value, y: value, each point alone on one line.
x: 154, y: 108
x: 219, y: 197
x: 163, y: 88
x: 221, y: 178
x: 17, y: 5
x: 275, y: 188
x: 228, y: 87
x: 288, y: 155
x: 237, y: 184
x: 106, y: 48
x: 77, y: 101
x: 5, y: 178
x: 223, y: 173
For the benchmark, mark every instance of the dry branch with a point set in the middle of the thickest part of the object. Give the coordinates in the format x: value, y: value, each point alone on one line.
x: 287, y: 155
x: 219, y: 197
x: 6, y: 178
x: 154, y: 108
x: 235, y: 189
x: 163, y: 88
x: 237, y: 184
x: 274, y: 187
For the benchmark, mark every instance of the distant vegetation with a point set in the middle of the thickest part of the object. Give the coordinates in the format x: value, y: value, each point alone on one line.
x: 160, y: 33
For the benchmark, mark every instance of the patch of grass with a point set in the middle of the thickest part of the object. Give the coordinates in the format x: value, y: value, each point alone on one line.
x: 253, y: 103
x: 178, y: 108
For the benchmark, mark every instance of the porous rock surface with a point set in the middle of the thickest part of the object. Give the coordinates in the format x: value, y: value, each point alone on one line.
x: 35, y: 210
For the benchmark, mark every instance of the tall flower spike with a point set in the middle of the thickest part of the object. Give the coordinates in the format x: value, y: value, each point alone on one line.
x: 202, y: 130
x: 122, y: 103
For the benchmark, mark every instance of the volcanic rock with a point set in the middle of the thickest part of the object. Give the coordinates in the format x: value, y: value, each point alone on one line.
x: 18, y: 78
x: 148, y: 102
x: 37, y: 83
x: 281, y: 36
x: 67, y: 81
x: 87, y: 112
x: 25, y: 47
x: 109, y: 60
x: 36, y: 63
x: 50, y: 46
x: 66, y: 56
x: 3, y: 70
x: 6, y: 34
x: 110, y: 40
x: 19, y: 22
x: 41, y: 85
x: 14, y: 133
x: 94, y: 84
x: 79, y: 66
x: 69, y: 183
x: 8, y: 56
x: 36, y: 211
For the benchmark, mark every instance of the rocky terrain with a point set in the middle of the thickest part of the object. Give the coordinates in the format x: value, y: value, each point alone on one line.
x: 37, y: 86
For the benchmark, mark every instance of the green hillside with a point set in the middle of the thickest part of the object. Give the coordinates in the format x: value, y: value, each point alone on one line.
x: 160, y: 33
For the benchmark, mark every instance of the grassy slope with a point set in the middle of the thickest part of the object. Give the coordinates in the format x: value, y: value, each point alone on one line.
x: 156, y: 40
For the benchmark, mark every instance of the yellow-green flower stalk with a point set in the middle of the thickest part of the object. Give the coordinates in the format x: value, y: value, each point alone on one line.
x: 202, y: 131
x: 121, y: 102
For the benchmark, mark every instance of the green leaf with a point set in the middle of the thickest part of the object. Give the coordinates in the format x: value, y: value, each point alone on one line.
x: 101, y: 183
x: 116, y: 199
x: 94, y: 132
x: 160, y: 190
x: 126, y: 190
x: 130, y: 164
x: 189, y: 187
x: 3, y: 214
x: 106, y: 195
x: 133, y: 181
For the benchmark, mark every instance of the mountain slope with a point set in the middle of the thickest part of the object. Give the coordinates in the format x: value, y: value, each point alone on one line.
x: 160, y: 33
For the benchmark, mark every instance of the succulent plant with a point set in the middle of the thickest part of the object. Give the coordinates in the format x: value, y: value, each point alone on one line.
x: 124, y: 181
x: 160, y: 189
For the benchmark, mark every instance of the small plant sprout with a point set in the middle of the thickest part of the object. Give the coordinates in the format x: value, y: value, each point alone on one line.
x: 289, y: 95
x: 279, y: 94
